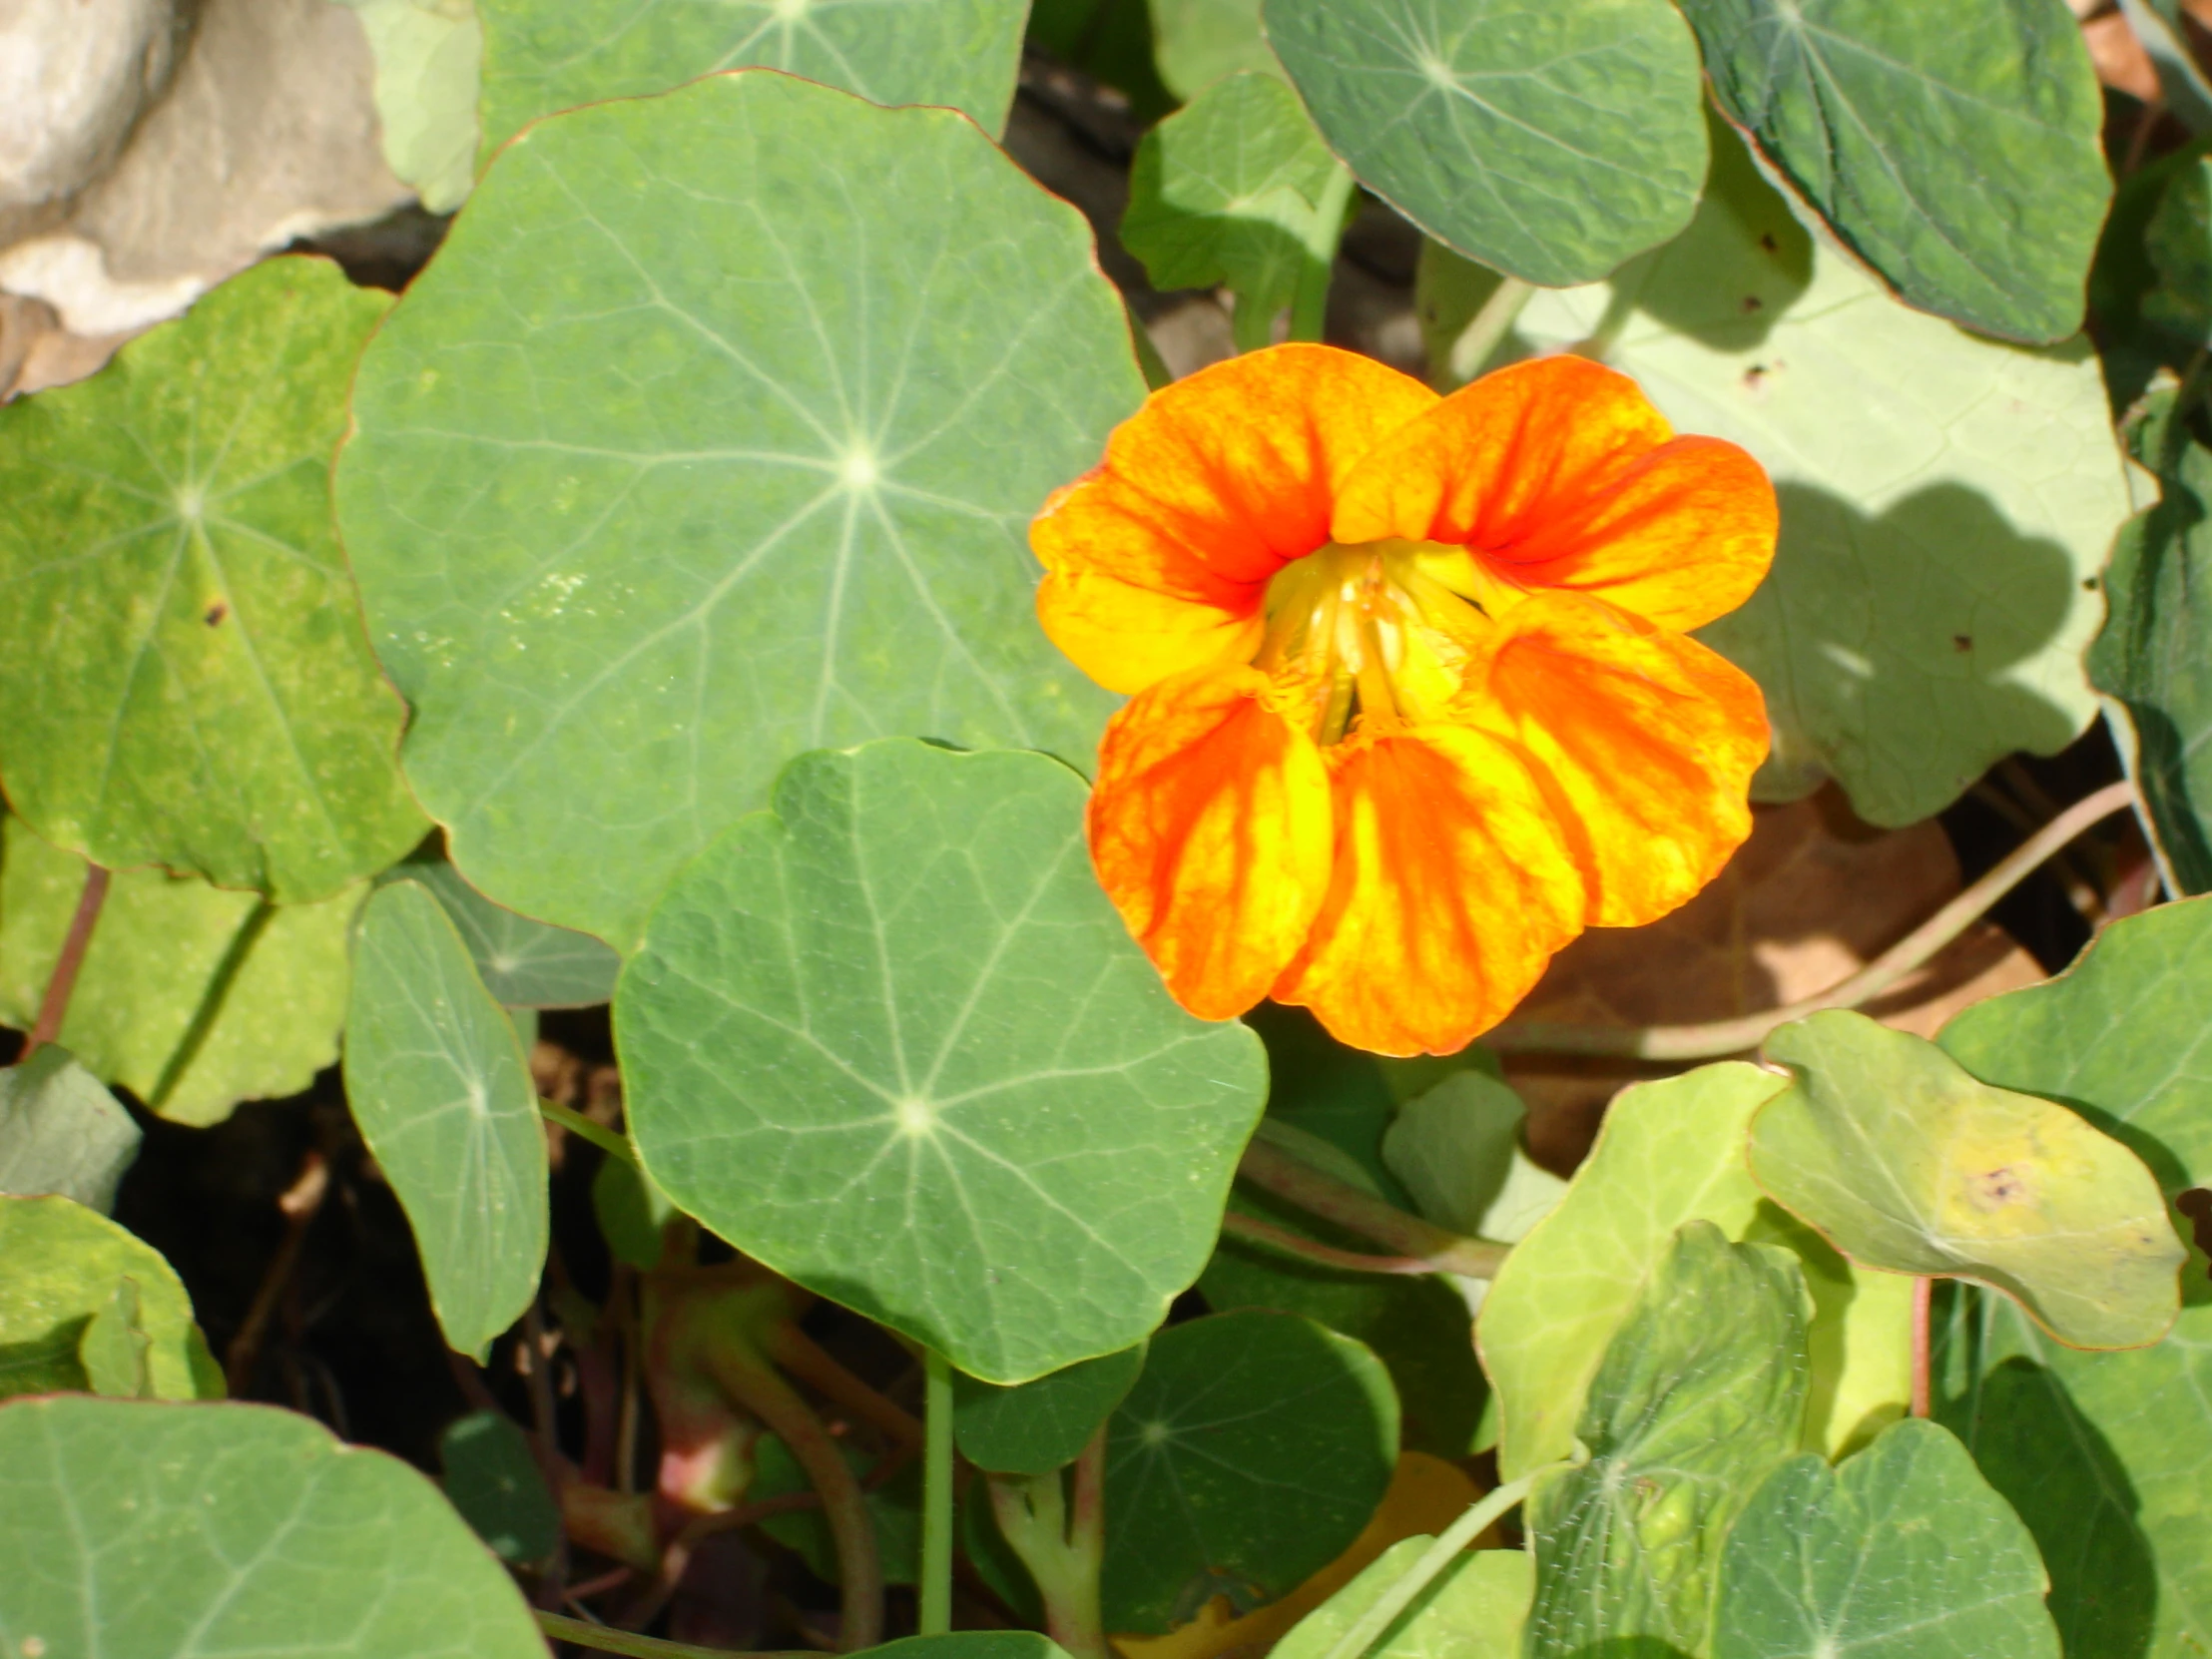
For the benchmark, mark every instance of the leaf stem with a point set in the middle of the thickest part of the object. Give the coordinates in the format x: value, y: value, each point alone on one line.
x: 1492, y: 323
x: 1062, y: 1549
x: 1309, y: 299
x: 612, y: 1143
x: 1712, y: 1040
x: 1430, y: 1563
x: 1271, y: 1169
x: 1312, y: 1250
x: 54, y: 1005
x: 1923, y: 1294
x: 606, y: 1639
x: 936, y: 1617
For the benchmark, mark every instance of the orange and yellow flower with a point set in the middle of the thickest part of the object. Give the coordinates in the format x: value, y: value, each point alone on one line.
x: 1412, y: 696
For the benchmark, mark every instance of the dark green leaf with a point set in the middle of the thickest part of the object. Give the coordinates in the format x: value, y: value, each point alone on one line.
x: 1907, y: 1162
x: 523, y: 963
x: 973, y: 1644
x: 631, y: 1212
x: 546, y: 55
x: 61, y: 1132
x: 492, y: 1479
x: 185, y: 683
x: 1550, y: 139
x: 646, y: 499
x: 61, y: 1269
x: 2179, y: 240
x: 2152, y: 655
x: 1903, y: 1553
x: 894, y: 1509
x: 892, y: 1041
x: 1036, y: 1427
x: 1697, y: 1400
x: 1954, y: 149
x: 444, y: 1097
x: 1252, y: 1451
x: 234, y: 1533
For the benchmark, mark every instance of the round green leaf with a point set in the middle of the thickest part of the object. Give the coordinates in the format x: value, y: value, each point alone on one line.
x: 1550, y: 139
x: 1473, y: 1610
x: 61, y: 1132
x: 1229, y: 189
x: 429, y: 53
x: 1036, y: 1427
x: 1947, y: 501
x: 492, y: 1477
x: 190, y: 997
x: 647, y: 498
x: 1903, y: 1553
x: 185, y: 683
x: 1906, y: 1162
x: 1198, y: 41
x: 2107, y: 1457
x: 1253, y: 1449
x: 546, y: 55
x: 523, y: 963
x: 1956, y: 149
x: 438, y: 1085
x: 890, y: 1039
x: 60, y: 1266
x: 233, y: 1532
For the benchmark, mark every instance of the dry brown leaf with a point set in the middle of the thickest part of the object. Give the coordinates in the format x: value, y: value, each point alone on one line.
x: 1812, y: 897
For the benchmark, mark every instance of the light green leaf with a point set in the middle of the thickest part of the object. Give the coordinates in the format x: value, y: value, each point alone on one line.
x: 116, y: 1350
x: 1473, y: 1610
x: 2152, y: 654
x: 1196, y: 42
x: 444, y: 1097
x: 190, y: 997
x: 492, y: 1479
x: 523, y: 963
x: 1906, y: 1162
x: 231, y: 1531
x: 60, y: 1267
x: 1419, y: 1327
x: 892, y: 1041
x: 1955, y: 150
x: 541, y: 56
x: 186, y: 683
x: 1036, y: 1427
x: 1458, y: 1150
x: 2107, y: 1457
x: 1947, y: 502
x: 1253, y: 1449
x: 1698, y: 1398
x: 429, y: 53
x: 1903, y: 1553
x: 61, y: 1132
x: 1551, y: 138
x: 647, y: 504
x: 1235, y: 189
x: 631, y: 1212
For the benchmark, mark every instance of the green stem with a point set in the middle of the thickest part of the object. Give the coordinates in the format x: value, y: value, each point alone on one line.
x: 606, y: 1639
x: 1487, y: 327
x: 1431, y: 1563
x: 937, y: 1495
x: 612, y: 1144
x: 1251, y: 326
x: 1062, y: 1552
x: 1270, y: 1168
x: 1310, y: 301
x: 1272, y: 1236
x: 1735, y: 1036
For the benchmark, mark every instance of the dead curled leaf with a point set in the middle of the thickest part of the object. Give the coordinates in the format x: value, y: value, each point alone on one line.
x: 1813, y: 896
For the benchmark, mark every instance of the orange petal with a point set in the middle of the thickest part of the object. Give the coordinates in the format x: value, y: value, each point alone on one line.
x: 1646, y: 742
x: 1561, y: 475
x: 1451, y: 889
x: 1158, y: 562
x: 1210, y: 831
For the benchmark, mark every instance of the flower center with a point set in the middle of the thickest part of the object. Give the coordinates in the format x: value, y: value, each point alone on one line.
x: 1378, y: 633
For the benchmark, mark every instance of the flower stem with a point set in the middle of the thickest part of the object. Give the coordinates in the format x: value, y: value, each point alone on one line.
x: 54, y: 1005
x: 605, y: 1639
x: 607, y: 1140
x: 1490, y: 325
x: 1310, y: 301
x: 937, y: 1495
x: 1716, y: 1038
x: 1430, y: 1563
x: 1270, y: 1168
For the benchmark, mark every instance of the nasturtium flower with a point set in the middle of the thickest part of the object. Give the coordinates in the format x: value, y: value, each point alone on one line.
x: 1412, y: 701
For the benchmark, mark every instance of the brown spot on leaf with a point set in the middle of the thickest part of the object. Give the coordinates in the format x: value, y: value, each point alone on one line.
x: 1994, y: 1189
x: 1766, y: 240
x: 1961, y: 642
x: 1752, y: 303
x: 215, y: 613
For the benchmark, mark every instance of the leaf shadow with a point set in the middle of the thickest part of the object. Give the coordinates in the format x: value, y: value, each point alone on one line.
x: 2063, y: 1477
